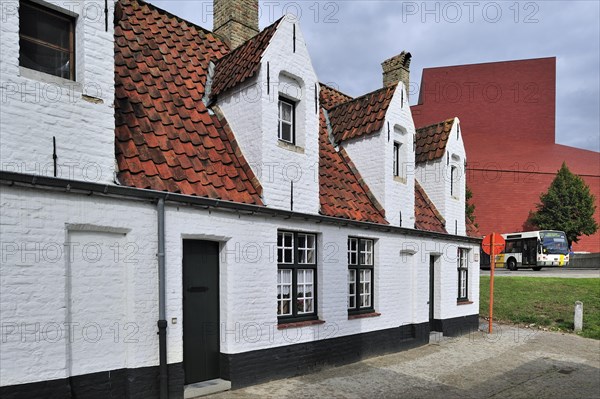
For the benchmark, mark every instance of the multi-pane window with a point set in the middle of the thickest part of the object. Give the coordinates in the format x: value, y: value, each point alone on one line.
x: 296, y: 276
x: 360, y: 275
x: 396, y: 164
x: 286, y: 120
x: 463, y: 274
x: 46, y: 40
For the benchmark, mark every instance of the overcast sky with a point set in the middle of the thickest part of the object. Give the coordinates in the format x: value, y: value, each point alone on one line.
x: 348, y: 40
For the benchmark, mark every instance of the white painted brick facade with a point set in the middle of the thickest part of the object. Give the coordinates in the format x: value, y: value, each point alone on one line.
x: 43, y: 288
x: 36, y: 107
x: 252, y: 113
x: 373, y: 156
x: 53, y: 306
x: 434, y: 177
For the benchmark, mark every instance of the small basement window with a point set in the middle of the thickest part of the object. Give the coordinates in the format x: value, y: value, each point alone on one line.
x: 47, y: 40
x: 287, y: 116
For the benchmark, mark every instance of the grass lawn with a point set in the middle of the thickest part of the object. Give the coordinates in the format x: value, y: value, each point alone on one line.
x: 547, y: 302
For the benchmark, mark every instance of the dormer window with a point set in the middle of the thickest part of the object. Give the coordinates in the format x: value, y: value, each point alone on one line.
x: 47, y: 40
x: 396, y: 165
x: 287, y: 116
x: 453, y: 181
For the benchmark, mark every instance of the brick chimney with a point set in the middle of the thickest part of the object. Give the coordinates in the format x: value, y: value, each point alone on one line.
x: 397, y: 69
x: 235, y: 21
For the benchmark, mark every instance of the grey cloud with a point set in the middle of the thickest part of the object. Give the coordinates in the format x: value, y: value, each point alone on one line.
x: 348, y: 53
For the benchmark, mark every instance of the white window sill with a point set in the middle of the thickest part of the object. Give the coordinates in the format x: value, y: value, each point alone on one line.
x: 400, y: 179
x: 50, y: 79
x: 290, y: 147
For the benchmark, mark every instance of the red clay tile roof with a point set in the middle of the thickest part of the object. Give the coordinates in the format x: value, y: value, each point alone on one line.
x: 342, y: 192
x: 243, y: 62
x: 330, y: 97
x: 363, y: 115
x: 431, y: 141
x: 165, y: 137
x: 472, y: 230
x: 427, y: 216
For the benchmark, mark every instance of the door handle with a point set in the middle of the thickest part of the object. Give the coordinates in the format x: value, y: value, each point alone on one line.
x: 197, y: 289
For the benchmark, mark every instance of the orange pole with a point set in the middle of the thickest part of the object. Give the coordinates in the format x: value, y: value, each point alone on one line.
x: 493, y: 266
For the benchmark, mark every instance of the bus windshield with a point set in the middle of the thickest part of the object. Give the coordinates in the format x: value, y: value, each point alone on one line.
x: 554, y: 242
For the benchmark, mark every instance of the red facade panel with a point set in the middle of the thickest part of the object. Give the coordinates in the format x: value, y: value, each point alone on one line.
x: 507, y: 116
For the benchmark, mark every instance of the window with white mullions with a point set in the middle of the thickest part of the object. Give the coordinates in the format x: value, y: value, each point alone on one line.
x: 365, y: 288
x: 296, y: 279
x: 360, y: 275
x: 285, y: 248
x: 287, y: 115
x: 305, y: 301
x: 46, y: 40
x: 284, y: 292
x: 463, y: 274
x: 351, y: 289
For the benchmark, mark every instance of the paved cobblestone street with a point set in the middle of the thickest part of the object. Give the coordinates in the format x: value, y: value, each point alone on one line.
x: 511, y: 363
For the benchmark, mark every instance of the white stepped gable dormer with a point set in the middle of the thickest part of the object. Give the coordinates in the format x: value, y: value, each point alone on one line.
x: 274, y: 117
x: 386, y: 160
x: 444, y: 177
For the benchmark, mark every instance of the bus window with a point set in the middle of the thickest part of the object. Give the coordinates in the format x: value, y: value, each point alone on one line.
x: 554, y: 243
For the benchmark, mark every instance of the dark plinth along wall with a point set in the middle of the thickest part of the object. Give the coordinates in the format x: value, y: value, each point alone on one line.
x: 248, y: 368
x: 141, y: 383
x: 457, y: 325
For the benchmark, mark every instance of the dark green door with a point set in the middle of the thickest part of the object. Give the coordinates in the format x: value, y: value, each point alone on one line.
x: 201, y: 349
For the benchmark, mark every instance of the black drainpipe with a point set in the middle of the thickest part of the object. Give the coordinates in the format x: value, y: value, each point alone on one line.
x: 162, y: 322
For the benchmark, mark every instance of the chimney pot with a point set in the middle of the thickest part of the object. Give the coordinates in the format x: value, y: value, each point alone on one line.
x: 235, y: 21
x: 397, y: 69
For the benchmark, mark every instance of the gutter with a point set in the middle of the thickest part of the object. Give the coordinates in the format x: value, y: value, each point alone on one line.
x: 109, y: 190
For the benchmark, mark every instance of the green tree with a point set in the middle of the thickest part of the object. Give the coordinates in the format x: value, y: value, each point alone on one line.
x: 568, y: 205
x: 470, y: 207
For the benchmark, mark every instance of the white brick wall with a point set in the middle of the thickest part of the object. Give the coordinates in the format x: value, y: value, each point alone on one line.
x: 36, y: 107
x: 434, y: 177
x: 252, y: 113
x: 373, y: 156
x: 43, y: 289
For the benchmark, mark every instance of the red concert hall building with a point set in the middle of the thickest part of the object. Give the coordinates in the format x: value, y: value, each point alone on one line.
x: 507, y: 113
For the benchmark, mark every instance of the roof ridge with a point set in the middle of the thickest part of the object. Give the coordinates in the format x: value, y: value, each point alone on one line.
x: 243, y: 45
x: 435, y: 124
x: 336, y: 90
x: 365, y: 95
x: 171, y: 15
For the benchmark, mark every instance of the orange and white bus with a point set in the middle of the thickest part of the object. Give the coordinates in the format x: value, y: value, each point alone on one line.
x: 534, y: 249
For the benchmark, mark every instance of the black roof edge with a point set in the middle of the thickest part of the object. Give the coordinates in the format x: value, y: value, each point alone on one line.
x: 111, y: 190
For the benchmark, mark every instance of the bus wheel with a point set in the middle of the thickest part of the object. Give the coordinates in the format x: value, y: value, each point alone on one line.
x: 512, y: 264
x: 537, y: 269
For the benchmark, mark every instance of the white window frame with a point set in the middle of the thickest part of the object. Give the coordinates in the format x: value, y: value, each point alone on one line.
x: 463, y: 274
x: 361, y: 275
x: 303, y: 272
x: 396, y: 160
x: 291, y: 123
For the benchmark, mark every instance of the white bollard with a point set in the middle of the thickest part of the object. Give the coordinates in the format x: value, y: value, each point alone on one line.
x: 578, y: 316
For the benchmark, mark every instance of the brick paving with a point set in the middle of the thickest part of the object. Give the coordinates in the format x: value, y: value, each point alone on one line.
x: 511, y: 363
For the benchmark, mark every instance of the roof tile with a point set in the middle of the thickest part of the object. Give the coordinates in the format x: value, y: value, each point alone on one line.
x: 360, y: 116
x: 164, y: 135
x: 243, y: 62
x: 431, y: 141
x: 427, y: 216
